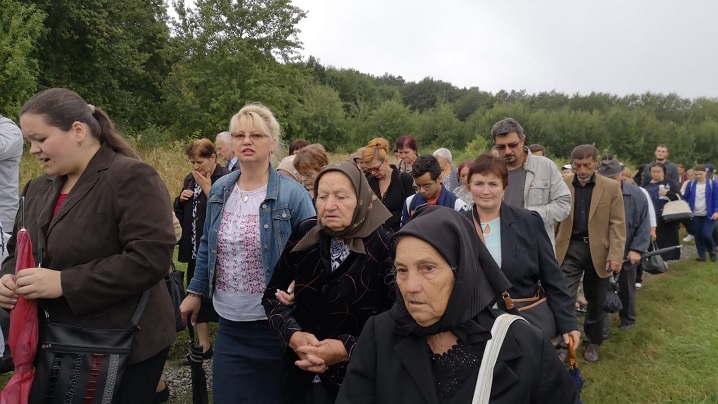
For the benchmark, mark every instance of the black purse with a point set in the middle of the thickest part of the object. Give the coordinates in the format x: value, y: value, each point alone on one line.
x: 175, y: 286
x: 82, y: 365
x: 537, y: 312
x: 654, y: 264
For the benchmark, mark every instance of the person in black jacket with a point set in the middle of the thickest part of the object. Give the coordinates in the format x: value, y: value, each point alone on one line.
x: 190, y: 207
x: 388, y: 183
x: 518, y: 242
x: 340, y: 262
x: 429, y: 347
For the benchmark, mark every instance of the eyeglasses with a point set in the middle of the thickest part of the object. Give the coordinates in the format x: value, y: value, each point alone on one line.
x: 425, y: 187
x: 307, y: 176
x: 502, y: 147
x: 374, y: 170
x: 254, y: 137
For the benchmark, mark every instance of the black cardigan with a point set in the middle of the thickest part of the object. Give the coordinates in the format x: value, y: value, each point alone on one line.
x: 400, y: 188
x: 527, y: 257
x: 183, y: 211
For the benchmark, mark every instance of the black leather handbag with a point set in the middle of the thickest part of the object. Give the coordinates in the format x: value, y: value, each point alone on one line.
x: 82, y: 365
x: 175, y: 286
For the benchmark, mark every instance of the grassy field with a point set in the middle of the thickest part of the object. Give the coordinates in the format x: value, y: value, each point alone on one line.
x: 670, y: 357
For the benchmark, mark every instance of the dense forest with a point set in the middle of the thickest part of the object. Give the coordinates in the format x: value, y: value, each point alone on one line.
x: 168, y: 78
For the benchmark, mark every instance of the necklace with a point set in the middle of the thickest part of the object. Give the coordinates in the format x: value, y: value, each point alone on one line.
x: 245, y: 197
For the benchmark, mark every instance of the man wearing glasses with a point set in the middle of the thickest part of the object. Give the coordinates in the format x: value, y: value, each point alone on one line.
x: 426, y: 172
x: 534, y: 181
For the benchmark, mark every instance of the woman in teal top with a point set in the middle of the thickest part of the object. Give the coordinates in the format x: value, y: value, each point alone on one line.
x: 517, y: 240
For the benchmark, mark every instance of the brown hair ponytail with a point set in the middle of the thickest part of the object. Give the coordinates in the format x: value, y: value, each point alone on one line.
x: 61, y: 107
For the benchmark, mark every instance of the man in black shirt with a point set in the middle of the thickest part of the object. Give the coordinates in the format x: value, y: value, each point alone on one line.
x: 590, y: 241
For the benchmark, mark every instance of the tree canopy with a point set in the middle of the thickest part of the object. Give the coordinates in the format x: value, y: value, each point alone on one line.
x: 165, y: 78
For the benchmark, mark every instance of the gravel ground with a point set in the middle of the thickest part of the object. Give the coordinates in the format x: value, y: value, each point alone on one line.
x: 178, y: 377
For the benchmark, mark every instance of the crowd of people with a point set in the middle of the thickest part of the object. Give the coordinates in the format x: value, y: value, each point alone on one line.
x: 386, y: 278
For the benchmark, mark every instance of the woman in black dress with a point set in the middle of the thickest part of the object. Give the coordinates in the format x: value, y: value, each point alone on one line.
x: 190, y: 208
x: 341, y: 262
x: 388, y: 183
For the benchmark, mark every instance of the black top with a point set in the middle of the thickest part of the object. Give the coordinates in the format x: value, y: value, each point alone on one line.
x: 582, y: 205
x: 400, y: 188
x: 329, y: 304
x: 389, y: 367
x: 183, y: 211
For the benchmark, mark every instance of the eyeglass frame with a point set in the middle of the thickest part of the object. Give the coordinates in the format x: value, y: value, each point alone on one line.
x: 502, y: 147
x: 254, y: 137
x: 373, y: 170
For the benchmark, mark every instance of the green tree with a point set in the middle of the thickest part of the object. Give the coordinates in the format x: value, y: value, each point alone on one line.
x: 232, y: 53
x: 390, y: 120
x: 20, y: 27
x: 440, y: 127
x: 427, y: 93
x: 321, y: 118
x: 111, y: 52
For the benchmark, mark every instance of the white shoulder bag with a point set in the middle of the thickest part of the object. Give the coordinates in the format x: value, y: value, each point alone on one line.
x: 482, y: 392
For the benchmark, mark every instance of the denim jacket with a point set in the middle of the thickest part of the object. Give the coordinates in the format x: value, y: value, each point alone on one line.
x: 287, y: 204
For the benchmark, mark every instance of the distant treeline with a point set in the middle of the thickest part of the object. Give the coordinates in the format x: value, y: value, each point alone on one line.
x: 168, y: 79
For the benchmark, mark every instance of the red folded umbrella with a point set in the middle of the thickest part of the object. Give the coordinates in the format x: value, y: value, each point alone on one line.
x: 23, y: 332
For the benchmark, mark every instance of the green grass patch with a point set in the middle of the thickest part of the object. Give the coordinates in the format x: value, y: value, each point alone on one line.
x: 672, y: 354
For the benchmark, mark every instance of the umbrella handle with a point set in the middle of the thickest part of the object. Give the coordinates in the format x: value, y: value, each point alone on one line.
x: 571, y: 354
x: 190, y: 330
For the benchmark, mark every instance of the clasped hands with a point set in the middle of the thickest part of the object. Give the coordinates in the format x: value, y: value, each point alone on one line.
x: 31, y: 283
x: 314, y: 355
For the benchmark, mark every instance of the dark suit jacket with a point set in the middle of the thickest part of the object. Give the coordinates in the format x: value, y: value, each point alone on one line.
x: 527, y: 257
x: 112, y: 238
x: 388, y: 368
x: 606, y: 225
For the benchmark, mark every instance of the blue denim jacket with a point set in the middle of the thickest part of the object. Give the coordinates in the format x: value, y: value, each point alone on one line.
x: 287, y: 204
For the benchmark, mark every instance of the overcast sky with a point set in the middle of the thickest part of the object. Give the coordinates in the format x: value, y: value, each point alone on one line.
x: 615, y: 46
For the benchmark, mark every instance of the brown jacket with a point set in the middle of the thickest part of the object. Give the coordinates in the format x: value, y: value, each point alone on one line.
x: 606, y: 225
x: 112, y: 238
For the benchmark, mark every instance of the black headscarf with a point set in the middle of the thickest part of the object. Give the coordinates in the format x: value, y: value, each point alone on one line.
x: 369, y: 213
x: 478, y: 280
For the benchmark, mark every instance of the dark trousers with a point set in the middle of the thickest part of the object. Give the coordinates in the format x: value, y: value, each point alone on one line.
x: 703, y: 232
x: 627, y: 294
x: 576, y: 263
x: 139, y: 381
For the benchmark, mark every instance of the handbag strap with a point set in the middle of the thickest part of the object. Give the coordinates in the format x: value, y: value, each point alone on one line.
x: 482, y: 392
x: 135, y: 320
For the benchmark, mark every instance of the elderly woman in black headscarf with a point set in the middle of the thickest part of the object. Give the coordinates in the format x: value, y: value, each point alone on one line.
x: 340, y: 262
x: 429, y: 347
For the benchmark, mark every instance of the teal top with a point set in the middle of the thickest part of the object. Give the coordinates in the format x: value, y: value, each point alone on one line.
x: 492, y: 236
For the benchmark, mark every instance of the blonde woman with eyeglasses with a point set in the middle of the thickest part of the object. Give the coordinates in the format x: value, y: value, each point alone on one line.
x: 251, y: 213
x: 389, y: 184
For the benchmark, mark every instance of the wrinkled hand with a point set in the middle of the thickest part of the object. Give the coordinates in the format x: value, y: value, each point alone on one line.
x: 613, y: 266
x: 307, y: 361
x: 634, y: 257
x: 286, y: 298
x: 8, y: 292
x: 39, y: 283
x: 186, y: 195
x: 190, y: 307
x: 653, y: 234
x: 204, y: 181
x: 574, y: 336
x: 331, y: 351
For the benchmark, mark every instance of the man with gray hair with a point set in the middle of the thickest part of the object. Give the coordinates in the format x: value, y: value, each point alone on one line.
x: 223, y: 144
x: 534, y: 181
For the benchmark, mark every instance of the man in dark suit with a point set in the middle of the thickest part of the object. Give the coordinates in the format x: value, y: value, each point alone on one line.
x: 638, y: 235
x: 591, y: 240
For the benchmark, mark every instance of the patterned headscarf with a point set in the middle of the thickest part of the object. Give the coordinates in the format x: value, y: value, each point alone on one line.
x: 369, y: 213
